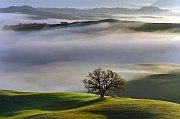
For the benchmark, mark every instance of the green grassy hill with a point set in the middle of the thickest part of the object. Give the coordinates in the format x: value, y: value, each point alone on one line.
x: 154, y: 27
x: 17, y: 105
x: 159, y: 86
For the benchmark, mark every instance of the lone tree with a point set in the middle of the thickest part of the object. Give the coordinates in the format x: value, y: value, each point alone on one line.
x: 101, y: 81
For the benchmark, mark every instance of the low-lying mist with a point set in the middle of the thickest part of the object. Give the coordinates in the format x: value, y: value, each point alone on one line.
x: 59, y: 59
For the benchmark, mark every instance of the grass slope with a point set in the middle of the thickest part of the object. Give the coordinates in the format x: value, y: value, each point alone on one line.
x: 16, y: 105
x: 160, y: 86
x: 154, y: 27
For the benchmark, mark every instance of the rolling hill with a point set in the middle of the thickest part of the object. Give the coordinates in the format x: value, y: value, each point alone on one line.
x: 113, y: 25
x: 36, y: 13
x: 19, y: 105
x: 159, y: 86
x: 156, y: 27
x: 74, y: 14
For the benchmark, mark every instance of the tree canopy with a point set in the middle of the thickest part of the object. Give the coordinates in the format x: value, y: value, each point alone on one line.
x: 100, y: 81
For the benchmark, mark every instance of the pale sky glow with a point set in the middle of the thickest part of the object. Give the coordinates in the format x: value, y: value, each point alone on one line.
x: 77, y: 3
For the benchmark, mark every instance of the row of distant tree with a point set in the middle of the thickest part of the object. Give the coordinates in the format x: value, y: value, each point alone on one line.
x: 32, y: 26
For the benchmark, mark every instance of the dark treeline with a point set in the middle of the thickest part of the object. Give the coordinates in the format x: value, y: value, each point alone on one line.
x: 33, y: 26
x: 39, y: 26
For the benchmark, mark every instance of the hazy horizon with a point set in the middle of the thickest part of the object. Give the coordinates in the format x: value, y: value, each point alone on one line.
x: 174, y: 4
x: 77, y: 4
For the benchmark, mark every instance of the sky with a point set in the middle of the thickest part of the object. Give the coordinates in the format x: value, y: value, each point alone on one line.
x: 77, y: 3
x: 167, y: 3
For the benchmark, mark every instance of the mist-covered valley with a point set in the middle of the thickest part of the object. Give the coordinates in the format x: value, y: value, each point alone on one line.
x: 59, y: 59
x: 95, y: 59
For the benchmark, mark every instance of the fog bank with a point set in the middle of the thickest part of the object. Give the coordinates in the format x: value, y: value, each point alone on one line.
x: 59, y: 59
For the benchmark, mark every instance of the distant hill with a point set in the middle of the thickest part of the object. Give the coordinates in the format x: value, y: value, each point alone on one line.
x: 113, y: 25
x: 167, y: 3
x: 72, y: 13
x: 38, y: 14
x: 159, y: 86
x: 150, y: 9
x: 24, y: 105
x: 157, y: 27
x: 45, y: 26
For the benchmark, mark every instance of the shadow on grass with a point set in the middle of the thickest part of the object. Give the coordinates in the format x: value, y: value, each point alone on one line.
x: 126, y: 114
x: 10, y: 105
x: 65, y: 105
x: 109, y: 114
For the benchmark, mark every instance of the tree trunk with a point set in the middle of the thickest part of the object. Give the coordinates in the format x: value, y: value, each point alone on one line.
x: 101, y: 95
